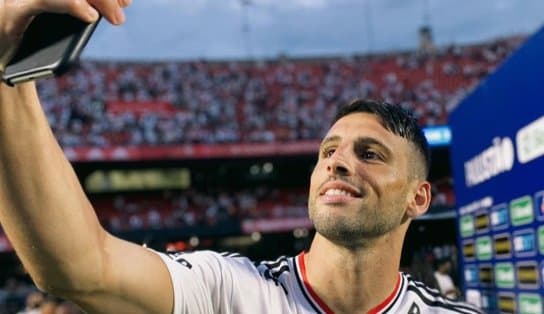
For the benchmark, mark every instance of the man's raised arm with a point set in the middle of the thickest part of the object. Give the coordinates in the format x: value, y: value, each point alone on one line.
x: 43, y: 209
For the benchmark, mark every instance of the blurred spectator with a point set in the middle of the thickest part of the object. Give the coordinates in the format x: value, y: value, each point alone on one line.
x: 444, y: 279
x: 33, y: 303
x: 421, y: 268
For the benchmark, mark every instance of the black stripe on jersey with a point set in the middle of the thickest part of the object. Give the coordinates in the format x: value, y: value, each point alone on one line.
x: 281, y: 260
x: 302, y: 288
x: 273, y: 273
x: 278, y: 267
x: 436, y: 294
x: 455, y: 307
x: 279, y: 271
x: 432, y: 291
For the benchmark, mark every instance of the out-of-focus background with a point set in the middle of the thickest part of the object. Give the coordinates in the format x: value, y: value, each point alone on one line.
x: 196, y: 124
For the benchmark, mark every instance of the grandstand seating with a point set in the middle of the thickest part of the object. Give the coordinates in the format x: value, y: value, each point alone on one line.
x: 163, y: 103
x: 170, y: 209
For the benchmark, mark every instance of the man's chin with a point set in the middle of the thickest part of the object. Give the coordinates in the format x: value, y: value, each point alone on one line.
x: 337, y: 228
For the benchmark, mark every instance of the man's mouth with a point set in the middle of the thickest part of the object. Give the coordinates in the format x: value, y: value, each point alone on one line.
x: 338, y: 187
x: 338, y: 192
x: 335, y: 192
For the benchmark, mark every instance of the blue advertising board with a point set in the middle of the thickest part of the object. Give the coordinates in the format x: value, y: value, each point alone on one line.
x: 497, y: 149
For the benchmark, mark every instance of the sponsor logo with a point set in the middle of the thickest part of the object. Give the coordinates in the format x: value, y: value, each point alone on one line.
x: 473, y: 206
x: 504, y: 275
x: 491, y: 162
x: 521, y: 211
x: 541, y: 239
x: 530, y: 303
x: 527, y: 274
x: 466, y: 224
x: 502, y: 245
x: 486, y: 275
x: 539, y: 205
x: 482, y: 222
x: 524, y: 242
x: 469, y: 250
x: 499, y: 216
x: 530, y: 141
x: 437, y: 135
x: 484, y: 248
x: 507, y: 303
x: 471, y: 275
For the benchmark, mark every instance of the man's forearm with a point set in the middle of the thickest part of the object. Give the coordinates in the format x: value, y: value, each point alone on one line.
x: 43, y: 208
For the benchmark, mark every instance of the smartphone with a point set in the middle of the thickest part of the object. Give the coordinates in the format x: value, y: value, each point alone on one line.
x: 50, y: 46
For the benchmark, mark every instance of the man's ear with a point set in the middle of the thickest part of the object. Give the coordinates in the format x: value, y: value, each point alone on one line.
x: 420, y: 199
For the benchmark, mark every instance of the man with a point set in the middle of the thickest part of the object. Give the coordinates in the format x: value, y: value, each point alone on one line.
x: 443, y: 279
x: 367, y: 186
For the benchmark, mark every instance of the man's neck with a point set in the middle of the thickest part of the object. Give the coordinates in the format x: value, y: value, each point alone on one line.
x: 353, y: 280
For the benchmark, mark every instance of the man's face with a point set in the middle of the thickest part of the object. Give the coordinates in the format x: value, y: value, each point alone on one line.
x: 446, y: 267
x: 360, y: 186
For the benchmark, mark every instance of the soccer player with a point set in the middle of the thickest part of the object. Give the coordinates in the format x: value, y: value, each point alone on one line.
x: 367, y: 186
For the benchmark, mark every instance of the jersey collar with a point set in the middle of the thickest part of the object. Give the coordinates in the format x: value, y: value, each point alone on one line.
x: 316, y: 301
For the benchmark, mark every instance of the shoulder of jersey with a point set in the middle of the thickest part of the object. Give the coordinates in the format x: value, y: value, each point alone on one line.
x: 433, y: 298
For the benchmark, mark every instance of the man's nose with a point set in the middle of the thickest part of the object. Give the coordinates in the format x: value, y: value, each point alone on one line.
x: 337, y: 164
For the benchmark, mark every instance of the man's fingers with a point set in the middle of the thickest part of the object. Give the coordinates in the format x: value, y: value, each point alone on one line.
x: 124, y: 3
x: 110, y: 9
x: 86, y: 10
x: 78, y: 8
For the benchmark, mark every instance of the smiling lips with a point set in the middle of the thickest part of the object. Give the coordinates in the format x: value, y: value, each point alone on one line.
x: 338, y: 191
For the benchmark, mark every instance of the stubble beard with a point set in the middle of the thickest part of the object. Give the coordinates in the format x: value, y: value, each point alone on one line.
x: 356, y: 229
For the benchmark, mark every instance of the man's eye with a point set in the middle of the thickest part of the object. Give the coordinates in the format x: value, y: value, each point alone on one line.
x: 370, y: 155
x: 327, y: 152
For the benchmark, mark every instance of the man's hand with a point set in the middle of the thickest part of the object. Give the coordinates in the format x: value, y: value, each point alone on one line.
x: 16, y: 15
x: 43, y: 208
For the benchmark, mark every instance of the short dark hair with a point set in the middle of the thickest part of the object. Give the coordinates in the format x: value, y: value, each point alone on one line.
x: 441, y: 261
x: 395, y: 119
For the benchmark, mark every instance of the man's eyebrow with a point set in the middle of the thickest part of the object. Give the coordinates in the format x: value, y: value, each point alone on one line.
x: 367, y: 141
x: 333, y: 138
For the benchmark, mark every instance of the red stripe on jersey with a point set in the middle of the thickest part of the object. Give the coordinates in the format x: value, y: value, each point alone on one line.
x: 388, y: 300
x: 308, y: 287
x: 325, y: 307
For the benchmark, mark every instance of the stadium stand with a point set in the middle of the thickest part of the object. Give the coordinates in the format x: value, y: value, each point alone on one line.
x: 130, y: 104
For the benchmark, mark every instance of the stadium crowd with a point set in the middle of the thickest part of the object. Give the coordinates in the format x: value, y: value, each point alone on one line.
x: 105, y: 104
x: 192, y: 208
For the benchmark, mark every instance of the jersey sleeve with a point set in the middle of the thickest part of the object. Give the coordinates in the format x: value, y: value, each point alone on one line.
x: 209, y: 282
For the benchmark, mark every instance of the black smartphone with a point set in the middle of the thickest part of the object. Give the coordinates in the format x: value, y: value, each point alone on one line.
x: 51, y: 45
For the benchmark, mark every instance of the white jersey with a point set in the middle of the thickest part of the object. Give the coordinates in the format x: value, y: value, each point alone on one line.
x: 210, y: 282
